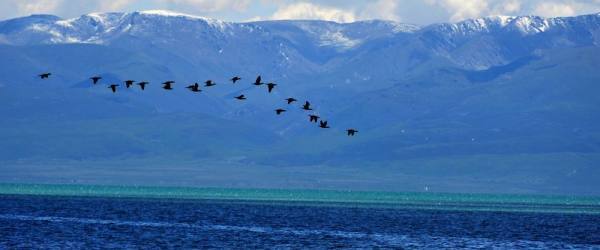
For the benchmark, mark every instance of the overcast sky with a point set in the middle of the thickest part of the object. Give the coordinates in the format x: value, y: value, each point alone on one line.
x: 409, y: 11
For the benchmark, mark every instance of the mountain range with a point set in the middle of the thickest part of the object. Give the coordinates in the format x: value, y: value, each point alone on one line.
x: 495, y: 104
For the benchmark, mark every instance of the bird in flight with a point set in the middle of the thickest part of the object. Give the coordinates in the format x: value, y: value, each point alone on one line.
x: 209, y: 83
x: 235, y: 79
x: 306, y: 106
x: 143, y: 84
x: 128, y: 83
x: 258, y: 81
x: 290, y: 100
x: 351, y: 131
x: 44, y: 75
x: 167, y: 85
x: 194, y: 87
x: 314, y: 118
x: 240, y: 97
x: 271, y: 86
x: 279, y: 111
x: 95, y: 79
x: 113, y: 87
x: 323, y: 124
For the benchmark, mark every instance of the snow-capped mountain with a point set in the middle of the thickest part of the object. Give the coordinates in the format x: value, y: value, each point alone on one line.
x: 429, y: 102
x: 449, y: 40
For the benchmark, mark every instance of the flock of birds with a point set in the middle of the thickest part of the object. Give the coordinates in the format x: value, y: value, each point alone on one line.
x: 168, y: 85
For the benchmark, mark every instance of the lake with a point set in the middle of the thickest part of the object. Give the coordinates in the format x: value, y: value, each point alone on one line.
x: 78, y: 216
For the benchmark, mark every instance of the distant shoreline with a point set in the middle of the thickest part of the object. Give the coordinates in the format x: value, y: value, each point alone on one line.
x: 404, y: 200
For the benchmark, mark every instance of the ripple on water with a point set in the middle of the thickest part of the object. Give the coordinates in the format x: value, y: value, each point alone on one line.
x: 70, y: 222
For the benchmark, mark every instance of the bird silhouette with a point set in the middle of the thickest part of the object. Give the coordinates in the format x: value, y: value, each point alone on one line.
x: 235, y: 79
x: 128, y: 83
x: 143, y: 84
x: 113, y: 87
x: 240, y: 97
x: 323, y: 124
x: 279, y: 111
x: 290, y: 100
x: 209, y: 83
x: 95, y: 79
x: 306, y: 106
x: 194, y: 87
x: 258, y: 81
x: 351, y: 131
x: 314, y: 118
x: 271, y: 86
x: 167, y: 85
x: 44, y: 75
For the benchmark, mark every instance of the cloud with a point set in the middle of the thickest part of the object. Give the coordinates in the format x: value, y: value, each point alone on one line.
x: 566, y: 8
x: 37, y: 6
x: 507, y: 7
x: 114, y: 5
x: 211, y: 5
x: 412, y: 11
x: 381, y: 9
x: 309, y: 11
x: 549, y: 9
x: 462, y: 9
x: 254, y: 19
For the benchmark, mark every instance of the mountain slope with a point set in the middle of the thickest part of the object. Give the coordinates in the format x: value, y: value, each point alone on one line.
x: 496, y: 104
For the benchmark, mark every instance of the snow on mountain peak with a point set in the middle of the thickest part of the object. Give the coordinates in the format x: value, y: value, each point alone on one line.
x: 404, y: 27
x: 102, y: 28
x: 167, y: 13
x: 526, y: 25
x: 532, y: 24
x: 337, y: 39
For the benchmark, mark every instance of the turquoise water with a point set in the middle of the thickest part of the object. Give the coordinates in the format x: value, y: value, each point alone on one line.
x: 36, y: 216
x: 441, y: 201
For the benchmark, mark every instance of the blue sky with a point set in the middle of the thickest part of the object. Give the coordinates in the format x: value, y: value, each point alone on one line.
x: 409, y: 11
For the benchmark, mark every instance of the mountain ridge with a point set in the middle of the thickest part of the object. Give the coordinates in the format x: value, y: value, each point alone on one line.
x: 526, y: 24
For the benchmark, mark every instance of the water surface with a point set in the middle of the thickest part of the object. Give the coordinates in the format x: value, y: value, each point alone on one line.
x: 222, y: 218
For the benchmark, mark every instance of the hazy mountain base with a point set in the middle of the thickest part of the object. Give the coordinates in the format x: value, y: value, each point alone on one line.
x: 467, y: 174
x: 530, y: 125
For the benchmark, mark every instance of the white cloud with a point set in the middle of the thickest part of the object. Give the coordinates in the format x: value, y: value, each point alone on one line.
x: 418, y: 11
x: 254, y: 19
x: 507, y: 7
x: 37, y: 6
x: 305, y: 10
x: 114, y: 5
x: 212, y: 5
x: 550, y: 9
x: 381, y: 9
x: 462, y: 9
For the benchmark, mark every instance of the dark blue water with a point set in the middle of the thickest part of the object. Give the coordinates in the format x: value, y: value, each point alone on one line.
x: 68, y: 222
